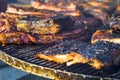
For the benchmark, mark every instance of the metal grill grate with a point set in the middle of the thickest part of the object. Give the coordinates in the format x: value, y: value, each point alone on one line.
x: 27, y: 52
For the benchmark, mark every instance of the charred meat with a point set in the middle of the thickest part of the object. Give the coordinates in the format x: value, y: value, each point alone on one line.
x: 29, y: 11
x: 97, y: 13
x: 90, y: 22
x: 24, y: 38
x: 105, y: 35
x: 44, y: 12
x: 36, y: 25
x: 114, y: 23
x: 17, y: 37
x: 7, y: 25
x: 98, y: 4
x: 68, y: 9
x: 92, y: 9
x: 57, y: 7
x: 101, y: 54
x: 39, y: 5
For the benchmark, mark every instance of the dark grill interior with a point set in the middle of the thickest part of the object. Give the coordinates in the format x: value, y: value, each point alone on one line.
x: 27, y: 52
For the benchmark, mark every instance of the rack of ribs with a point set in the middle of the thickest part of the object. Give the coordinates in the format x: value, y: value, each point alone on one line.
x: 62, y: 27
x: 98, y: 55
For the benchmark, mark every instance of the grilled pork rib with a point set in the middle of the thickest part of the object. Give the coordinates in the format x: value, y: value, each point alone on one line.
x: 98, y: 4
x: 114, y: 23
x: 97, y: 13
x: 35, y: 24
x: 101, y: 54
x: 105, y: 35
x: 67, y: 7
x: 24, y: 38
x: 93, y: 9
x: 7, y: 25
x: 40, y: 5
x: 43, y: 12
x: 29, y: 11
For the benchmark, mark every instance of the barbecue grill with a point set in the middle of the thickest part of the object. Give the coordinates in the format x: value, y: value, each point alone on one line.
x: 22, y: 57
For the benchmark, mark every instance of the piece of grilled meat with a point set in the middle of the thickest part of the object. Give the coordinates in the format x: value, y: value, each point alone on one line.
x: 24, y: 38
x: 97, y: 13
x: 101, y: 54
x: 90, y: 23
x: 114, y: 23
x: 105, y: 35
x: 39, y: 5
x: 98, y: 4
x: 35, y: 24
x: 93, y: 9
x: 7, y: 25
x: 57, y: 7
x: 29, y: 11
x: 44, y: 12
x: 13, y: 15
x: 103, y: 5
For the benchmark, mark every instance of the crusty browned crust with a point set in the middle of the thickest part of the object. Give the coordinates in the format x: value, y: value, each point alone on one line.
x: 44, y: 12
x: 105, y: 35
x: 24, y: 38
